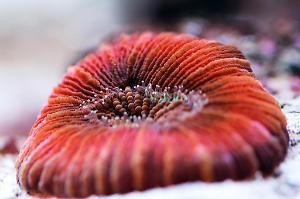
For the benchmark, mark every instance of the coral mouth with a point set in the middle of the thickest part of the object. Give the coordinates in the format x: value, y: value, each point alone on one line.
x: 137, y: 104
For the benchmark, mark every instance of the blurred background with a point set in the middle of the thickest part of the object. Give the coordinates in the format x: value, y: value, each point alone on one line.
x: 40, y: 39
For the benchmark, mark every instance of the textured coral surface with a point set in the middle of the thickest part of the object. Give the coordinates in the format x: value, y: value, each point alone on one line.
x: 285, y: 184
x: 153, y: 110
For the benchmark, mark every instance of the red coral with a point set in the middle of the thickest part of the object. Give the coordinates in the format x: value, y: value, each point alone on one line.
x: 153, y: 110
x: 8, y: 145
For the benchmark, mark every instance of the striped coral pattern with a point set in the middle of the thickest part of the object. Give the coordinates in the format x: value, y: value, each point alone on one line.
x: 238, y: 131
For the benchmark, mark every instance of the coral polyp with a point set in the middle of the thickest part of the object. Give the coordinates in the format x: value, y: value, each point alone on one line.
x: 151, y: 110
x: 140, y: 104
